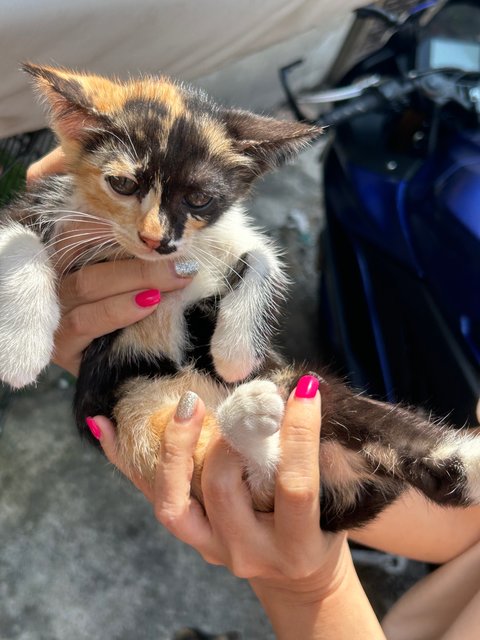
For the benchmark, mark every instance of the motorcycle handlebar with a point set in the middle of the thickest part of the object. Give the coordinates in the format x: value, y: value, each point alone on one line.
x: 387, y: 93
x: 355, y: 107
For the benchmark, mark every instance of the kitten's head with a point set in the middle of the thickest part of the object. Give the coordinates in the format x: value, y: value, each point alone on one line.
x: 158, y: 160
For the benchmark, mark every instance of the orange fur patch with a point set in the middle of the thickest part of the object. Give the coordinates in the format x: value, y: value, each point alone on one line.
x: 159, y: 422
x: 192, y: 225
x: 150, y: 225
x: 88, y: 177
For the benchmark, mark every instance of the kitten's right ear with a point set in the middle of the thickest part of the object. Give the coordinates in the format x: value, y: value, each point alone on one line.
x: 267, y: 142
x: 72, y: 111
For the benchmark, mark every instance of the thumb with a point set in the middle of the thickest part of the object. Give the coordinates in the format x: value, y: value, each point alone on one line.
x: 53, y: 162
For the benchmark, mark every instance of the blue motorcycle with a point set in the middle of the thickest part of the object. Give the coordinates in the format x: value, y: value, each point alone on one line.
x: 400, y: 252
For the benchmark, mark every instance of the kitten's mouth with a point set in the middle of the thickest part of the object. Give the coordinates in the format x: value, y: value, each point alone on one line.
x: 163, y: 246
x: 163, y: 251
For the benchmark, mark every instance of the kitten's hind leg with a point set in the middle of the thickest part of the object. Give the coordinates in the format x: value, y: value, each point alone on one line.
x: 144, y: 408
x: 30, y: 311
x: 250, y: 419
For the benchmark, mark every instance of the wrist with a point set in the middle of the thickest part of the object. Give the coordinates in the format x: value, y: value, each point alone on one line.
x: 332, y: 606
x: 312, y: 588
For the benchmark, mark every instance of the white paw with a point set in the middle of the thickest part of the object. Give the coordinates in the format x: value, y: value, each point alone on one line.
x: 24, y: 356
x: 237, y: 364
x: 250, y: 417
x: 28, y: 302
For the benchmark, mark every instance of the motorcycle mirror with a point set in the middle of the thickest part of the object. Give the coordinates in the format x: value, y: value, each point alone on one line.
x: 392, y: 19
x: 374, y: 11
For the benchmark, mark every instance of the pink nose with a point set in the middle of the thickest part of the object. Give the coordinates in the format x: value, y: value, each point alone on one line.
x: 151, y: 243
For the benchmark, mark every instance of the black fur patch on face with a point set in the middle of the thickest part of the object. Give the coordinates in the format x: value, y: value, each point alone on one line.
x: 148, y: 112
x: 165, y: 247
x: 187, y: 167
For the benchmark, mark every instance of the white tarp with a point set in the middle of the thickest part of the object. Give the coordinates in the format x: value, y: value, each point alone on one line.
x: 183, y: 38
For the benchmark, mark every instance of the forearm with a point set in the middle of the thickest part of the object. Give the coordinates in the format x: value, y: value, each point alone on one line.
x: 341, y: 613
x: 419, y: 529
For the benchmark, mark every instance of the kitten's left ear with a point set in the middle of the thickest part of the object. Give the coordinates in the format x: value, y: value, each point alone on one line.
x: 70, y: 97
x: 266, y: 141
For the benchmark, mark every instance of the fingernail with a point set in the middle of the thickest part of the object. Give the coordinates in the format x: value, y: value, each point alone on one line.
x: 94, y: 428
x: 148, y: 298
x: 306, y: 387
x: 186, y: 268
x: 186, y: 406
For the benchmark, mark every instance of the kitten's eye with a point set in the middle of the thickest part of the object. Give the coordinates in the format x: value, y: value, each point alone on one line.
x: 122, y: 185
x: 197, y: 200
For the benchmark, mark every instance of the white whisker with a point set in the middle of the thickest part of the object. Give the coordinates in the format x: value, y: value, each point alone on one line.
x: 86, y: 257
x: 207, y: 259
x: 61, y: 254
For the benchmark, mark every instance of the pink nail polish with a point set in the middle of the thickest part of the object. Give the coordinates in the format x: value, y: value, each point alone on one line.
x: 94, y: 428
x: 306, y: 387
x: 148, y: 298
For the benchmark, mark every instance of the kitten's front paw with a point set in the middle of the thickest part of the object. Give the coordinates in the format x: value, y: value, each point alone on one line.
x: 239, y: 364
x: 251, y: 416
x: 25, y: 357
x: 29, y: 311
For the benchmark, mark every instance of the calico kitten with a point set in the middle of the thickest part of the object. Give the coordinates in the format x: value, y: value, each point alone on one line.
x: 157, y: 171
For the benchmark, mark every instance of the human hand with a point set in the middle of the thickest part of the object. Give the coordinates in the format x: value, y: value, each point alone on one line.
x: 304, y: 577
x: 282, y: 550
x: 104, y: 297
x: 53, y: 162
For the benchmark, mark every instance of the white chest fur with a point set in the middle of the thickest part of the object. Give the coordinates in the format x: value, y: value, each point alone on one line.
x: 218, y: 250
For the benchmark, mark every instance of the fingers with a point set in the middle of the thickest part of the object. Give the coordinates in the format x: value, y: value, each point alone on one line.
x: 54, y: 162
x: 238, y: 541
x: 174, y: 506
x: 297, y: 509
x: 102, y: 298
x: 104, y: 431
x: 84, y: 323
x: 95, y: 282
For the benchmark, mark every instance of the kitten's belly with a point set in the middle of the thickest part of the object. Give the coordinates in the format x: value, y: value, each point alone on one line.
x: 161, y: 333
x: 164, y: 332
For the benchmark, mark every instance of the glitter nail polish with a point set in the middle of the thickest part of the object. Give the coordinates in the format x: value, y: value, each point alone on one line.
x: 186, y: 268
x: 186, y: 406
